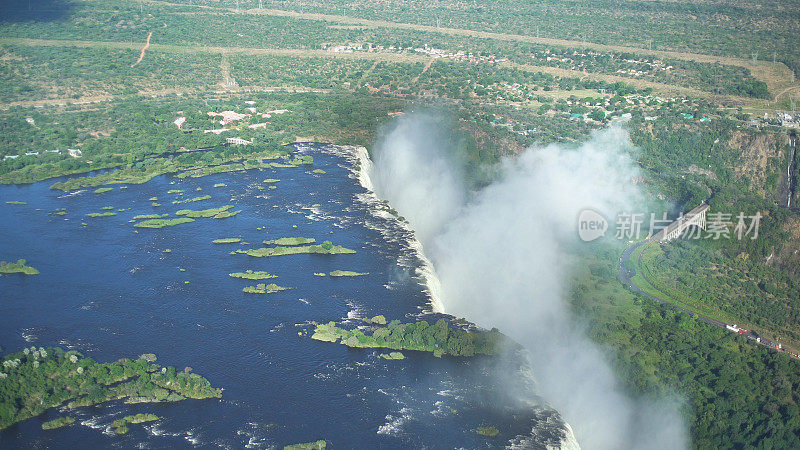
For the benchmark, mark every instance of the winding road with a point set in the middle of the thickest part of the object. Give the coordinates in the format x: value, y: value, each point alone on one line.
x: 625, y: 274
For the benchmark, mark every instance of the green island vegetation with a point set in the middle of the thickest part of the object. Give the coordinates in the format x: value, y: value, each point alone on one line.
x: 175, y: 191
x: 16, y: 202
x: 120, y: 426
x: 263, y: 288
x: 393, y: 355
x: 320, y: 274
x: 17, y: 267
x: 376, y: 320
x: 37, y: 379
x: 490, y: 431
x: 326, y: 248
x: 193, y: 199
x: 214, y: 213
x: 347, y: 273
x: 107, y: 208
x: 251, y: 275
x: 271, y: 180
x: 291, y: 241
x: 318, y: 445
x: 161, y: 223
x: 439, y: 338
x: 226, y: 241
x: 150, y: 216
x: 141, y: 418
x: 102, y: 214
x: 319, y: 171
x: 216, y: 185
x: 103, y: 189
x: 58, y: 423
x: 701, y: 82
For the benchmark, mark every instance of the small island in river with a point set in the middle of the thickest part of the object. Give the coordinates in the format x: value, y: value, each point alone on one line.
x: 17, y: 267
x: 250, y: 275
x: 439, y: 338
x: 34, y: 380
x: 161, y: 223
x: 347, y: 273
x: 326, y: 248
x: 215, y: 213
x: 263, y: 288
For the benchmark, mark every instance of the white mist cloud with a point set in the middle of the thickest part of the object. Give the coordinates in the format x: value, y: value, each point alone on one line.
x: 502, y: 259
x: 428, y: 194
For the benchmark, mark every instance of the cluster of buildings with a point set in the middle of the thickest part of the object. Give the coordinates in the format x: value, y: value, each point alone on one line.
x: 424, y: 50
x: 75, y: 153
x: 230, y: 121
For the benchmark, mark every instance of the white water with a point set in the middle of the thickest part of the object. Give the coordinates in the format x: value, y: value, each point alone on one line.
x: 426, y: 271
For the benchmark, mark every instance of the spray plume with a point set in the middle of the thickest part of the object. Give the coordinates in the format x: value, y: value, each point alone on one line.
x: 502, y: 260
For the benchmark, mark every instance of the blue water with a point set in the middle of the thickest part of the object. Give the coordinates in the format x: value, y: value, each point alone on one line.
x: 109, y: 290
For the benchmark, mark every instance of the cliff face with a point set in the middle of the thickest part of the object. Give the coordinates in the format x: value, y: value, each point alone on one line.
x: 761, y: 162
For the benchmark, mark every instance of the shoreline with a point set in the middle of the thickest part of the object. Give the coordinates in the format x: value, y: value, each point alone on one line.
x: 426, y: 271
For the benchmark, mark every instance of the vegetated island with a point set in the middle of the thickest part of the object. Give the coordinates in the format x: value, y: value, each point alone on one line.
x: 214, y: 213
x: 347, y: 273
x: 490, y: 431
x: 226, y: 241
x: 161, y: 223
x: 291, y: 241
x: 190, y: 200
x: 58, y: 423
x: 439, y: 338
x: 250, y: 275
x: 102, y: 214
x: 103, y: 189
x: 17, y: 267
x: 319, y: 445
x: 120, y: 426
x: 150, y: 216
x: 16, y: 202
x: 326, y: 248
x: 262, y: 288
x: 35, y: 380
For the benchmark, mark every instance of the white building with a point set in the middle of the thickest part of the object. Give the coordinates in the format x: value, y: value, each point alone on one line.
x: 237, y: 141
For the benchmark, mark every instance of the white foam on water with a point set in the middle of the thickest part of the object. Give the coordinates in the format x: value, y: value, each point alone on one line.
x: 394, y: 422
x: 361, y: 168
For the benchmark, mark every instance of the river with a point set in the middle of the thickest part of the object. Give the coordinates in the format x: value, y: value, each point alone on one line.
x: 110, y: 290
